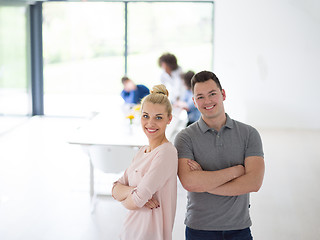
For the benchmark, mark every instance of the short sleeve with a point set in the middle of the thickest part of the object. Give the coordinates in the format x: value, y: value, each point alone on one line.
x: 163, y: 166
x: 184, y: 145
x: 254, y: 144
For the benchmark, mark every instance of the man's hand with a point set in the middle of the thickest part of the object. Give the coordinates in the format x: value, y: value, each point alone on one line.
x: 195, y: 179
x: 251, y: 181
x: 238, y: 170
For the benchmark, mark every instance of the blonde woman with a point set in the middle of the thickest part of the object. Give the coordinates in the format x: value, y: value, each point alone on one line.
x: 148, y: 188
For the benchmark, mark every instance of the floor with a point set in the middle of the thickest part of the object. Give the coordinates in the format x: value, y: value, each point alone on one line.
x: 44, y: 186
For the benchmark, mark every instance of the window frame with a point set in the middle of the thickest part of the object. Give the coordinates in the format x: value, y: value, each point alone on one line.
x: 35, y: 45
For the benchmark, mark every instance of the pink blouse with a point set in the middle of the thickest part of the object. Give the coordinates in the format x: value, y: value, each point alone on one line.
x: 152, y: 174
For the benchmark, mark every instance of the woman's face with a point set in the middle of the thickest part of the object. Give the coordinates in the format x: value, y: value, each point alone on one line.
x: 166, y: 68
x: 154, y: 120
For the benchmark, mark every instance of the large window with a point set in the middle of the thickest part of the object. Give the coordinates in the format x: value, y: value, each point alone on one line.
x: 13, y: 57
x: 83, y: 55
x: 84, y: 48
x: 184, y: 29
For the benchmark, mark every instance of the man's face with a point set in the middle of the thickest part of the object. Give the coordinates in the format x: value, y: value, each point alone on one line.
x: 208, y: 98
x: 128, y: 86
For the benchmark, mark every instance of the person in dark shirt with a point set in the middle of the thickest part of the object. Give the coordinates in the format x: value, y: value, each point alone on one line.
x: 131, y: 92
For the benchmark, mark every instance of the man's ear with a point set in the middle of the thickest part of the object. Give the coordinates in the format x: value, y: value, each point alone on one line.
x: 194, y: 102
x: 223, y: 94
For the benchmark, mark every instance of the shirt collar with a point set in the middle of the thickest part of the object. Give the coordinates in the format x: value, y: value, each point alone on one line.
x: 229, y: 122
x: 204, y: 127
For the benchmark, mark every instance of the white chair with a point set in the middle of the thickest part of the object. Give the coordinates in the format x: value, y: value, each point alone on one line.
x: 111, y: 159
x: 108, y: 159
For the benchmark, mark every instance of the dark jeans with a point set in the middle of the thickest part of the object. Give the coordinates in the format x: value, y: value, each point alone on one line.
x: 244, y: 234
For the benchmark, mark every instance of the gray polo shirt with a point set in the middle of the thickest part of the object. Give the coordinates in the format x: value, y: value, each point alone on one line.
x: 215, y: 151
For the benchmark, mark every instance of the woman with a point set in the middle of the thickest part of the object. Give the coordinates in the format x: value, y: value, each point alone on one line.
x: 171, y: 76
x: 148, y: 187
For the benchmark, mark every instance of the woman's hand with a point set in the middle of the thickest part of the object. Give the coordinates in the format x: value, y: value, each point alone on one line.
x: 152, y: 203
x: 194, y: 166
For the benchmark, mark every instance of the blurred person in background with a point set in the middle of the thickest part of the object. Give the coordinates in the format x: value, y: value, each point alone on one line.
x: 131, y: 92
x: 187, y: 102
x: 171, y: 76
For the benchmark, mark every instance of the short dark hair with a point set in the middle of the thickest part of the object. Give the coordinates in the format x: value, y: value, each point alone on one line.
x: 170, y: 60
x: 203, y: 77
x: 187, y: 78
x: 124, y: 79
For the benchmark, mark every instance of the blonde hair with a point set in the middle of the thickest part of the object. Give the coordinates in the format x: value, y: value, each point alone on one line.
x: 159, y: 94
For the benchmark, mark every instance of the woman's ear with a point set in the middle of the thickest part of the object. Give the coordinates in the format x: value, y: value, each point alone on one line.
x: 170, y: 119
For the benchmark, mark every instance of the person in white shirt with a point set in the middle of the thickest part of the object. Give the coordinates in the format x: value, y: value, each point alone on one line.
x: 171, y: 76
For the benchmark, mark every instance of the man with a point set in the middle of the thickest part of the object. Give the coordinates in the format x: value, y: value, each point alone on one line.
x: 171, y: 76
x: 131, y: 92
x: 220, y: 163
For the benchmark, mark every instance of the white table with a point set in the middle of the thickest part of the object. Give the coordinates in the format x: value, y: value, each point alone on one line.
x: 112, y: 128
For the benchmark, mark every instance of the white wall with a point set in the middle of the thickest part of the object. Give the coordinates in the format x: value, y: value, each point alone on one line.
x: 267, y: 57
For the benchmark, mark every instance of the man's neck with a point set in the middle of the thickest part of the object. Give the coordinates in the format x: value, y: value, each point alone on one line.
x: 217, y: 122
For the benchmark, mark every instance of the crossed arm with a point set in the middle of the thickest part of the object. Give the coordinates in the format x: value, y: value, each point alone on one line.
x: 233, y: 181
x: 162, y: 167
x: 123, y: 194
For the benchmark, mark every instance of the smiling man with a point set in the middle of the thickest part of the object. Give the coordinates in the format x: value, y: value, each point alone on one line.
x: 220, y: 163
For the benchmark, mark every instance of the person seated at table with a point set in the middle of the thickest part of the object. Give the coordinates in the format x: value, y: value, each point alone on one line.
x: 131, y: 92
x: 187, y: 101
x: 148, y: 187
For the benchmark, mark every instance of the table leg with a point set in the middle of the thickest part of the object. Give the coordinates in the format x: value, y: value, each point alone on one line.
x: 91, y: 179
